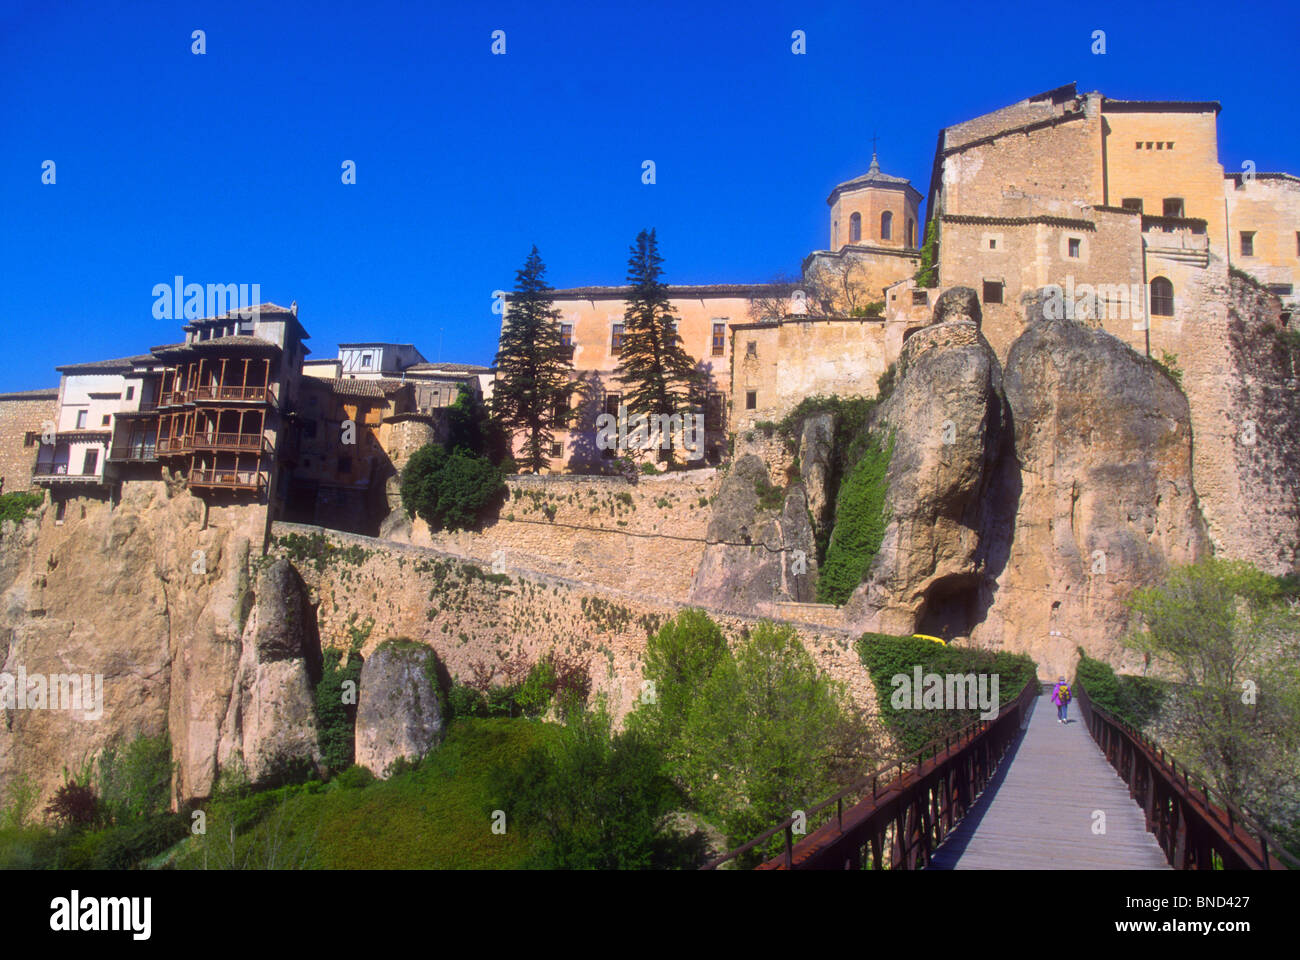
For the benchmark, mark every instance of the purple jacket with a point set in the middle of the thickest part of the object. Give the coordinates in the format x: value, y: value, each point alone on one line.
x: 1056, y: 693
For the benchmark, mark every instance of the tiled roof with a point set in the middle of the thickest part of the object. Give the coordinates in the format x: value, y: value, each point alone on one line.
x: 51, y: 394
x: 117, y: 365
x: 446, y: 368
x: 364, y: 388
x: 241, y: 340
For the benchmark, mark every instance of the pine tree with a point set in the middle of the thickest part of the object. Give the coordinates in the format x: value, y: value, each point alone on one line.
x: 659, y: 375
x: 534, y: 368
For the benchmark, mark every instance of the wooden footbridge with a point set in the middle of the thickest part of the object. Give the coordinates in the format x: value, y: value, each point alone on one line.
x: 1022, y: 791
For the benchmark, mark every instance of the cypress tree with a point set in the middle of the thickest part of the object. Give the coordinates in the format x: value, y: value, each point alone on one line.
x: 659, y: 375
x: 534, y: 368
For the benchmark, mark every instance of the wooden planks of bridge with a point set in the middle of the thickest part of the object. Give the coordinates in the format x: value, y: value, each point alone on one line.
x: 1039, y: 809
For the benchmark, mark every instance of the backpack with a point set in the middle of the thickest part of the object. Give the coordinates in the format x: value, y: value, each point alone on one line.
x: 1063, y: 692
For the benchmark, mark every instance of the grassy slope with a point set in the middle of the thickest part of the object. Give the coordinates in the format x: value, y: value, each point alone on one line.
x: 435, y: 817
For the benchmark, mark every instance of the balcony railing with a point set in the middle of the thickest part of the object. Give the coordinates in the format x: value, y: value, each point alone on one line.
x: 243, y: 394
x: 134, y: 451
x: 170, y: 446
x: 228, y: 441
x: 228, y: 479
x: 55, y: 472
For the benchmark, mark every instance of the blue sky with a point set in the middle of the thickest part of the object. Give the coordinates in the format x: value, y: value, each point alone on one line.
x: 226, y: 167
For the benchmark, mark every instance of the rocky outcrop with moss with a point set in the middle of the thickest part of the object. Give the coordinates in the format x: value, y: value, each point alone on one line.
x: 399, y: 709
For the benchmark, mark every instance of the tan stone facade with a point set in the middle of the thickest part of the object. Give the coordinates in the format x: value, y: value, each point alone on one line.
x: 23, y: 418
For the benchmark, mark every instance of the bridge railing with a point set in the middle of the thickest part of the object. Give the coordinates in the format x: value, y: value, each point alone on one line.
x: 914, y: 802
x: 1195, y: 827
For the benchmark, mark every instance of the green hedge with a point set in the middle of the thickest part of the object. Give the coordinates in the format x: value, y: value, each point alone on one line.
x: 1134, y: 700
x: 886, y: 656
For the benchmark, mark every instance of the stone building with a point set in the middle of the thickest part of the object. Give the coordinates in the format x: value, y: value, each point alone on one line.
x: 210, y: 411
x: 25, y: 416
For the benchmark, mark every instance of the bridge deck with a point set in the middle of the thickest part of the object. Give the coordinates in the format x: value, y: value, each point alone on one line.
x: 1038, y: 810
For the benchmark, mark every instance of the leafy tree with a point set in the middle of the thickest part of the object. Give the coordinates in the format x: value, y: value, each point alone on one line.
x: 1230, y: 637
x: 658, y: 374
x: 534, y: 368
x: 757, y: 743
x: 470, y: 427
x: 452, y: 491
x: 597, y: 798
x: 679, y: 659
x: 135, y: 780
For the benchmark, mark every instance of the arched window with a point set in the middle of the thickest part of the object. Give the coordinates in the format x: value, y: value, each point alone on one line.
x: 855, y: 228
x: 1162, y: 297
x: 886, y: 225
x: 911, y: 232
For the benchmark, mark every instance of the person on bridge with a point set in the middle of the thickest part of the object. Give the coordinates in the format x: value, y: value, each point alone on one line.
x: 1061, y: 697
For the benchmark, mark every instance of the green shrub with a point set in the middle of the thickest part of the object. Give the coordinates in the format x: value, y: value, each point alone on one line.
x: 770, y: 497
x: 860, y: 520
x: 452, y: 491
x: 596, y: 798
x: 135, y: 780
x: 888, y: 656
x: 355, y: 777
x: 336, y: 717
x: 18, y: 506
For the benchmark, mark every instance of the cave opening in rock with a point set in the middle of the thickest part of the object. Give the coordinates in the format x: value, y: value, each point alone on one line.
x: 951, y: 608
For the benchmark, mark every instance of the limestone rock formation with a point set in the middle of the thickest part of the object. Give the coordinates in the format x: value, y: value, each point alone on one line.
x: 146, y: 593
x: 816, y: 443
x: 957, y: 303
x: 948, y: 421
x: 399, y: 711
x: 1104, y: 444
x: 750, y: 560
x: 270, y: 725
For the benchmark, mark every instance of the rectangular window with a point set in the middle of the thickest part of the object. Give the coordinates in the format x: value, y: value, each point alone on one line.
x: 130, y: 393
x: 60, y: 508
x: 992, y: 291
x: 366, y: 358
x: 81, y: 419
x: 616, y: 338
x: 1248, y: 243
x: 612, y: 400
x: 1281, y: 289
x: 1132, y: 203
x: 714, y: 412
x: 920, y: 298
x: 751, y: 348
x: 88, y: 465
x: 1075, y: 244
x: 993, y: 244
x: 751, y: 399
x: 720, y: 336
x: 1172, y: 207
x: 556, y: 450
x: 30, y: 438
x: 104, y: 422
x: 566, y: 334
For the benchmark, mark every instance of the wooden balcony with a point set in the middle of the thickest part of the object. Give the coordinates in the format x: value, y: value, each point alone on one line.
x: 173, y: 446
x: 239, y: 442
x: 134, y: 452
x: 59, y: 473
x: 236, y: 393
x: 226, y: 479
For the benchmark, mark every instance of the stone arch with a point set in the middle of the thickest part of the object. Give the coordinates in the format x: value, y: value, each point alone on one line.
x: 855, y: 228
